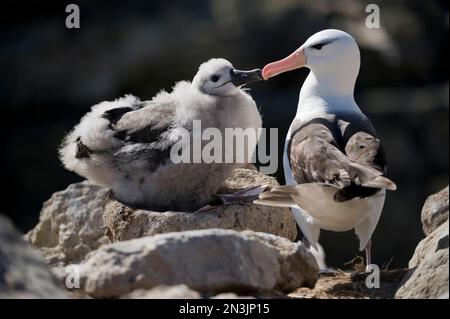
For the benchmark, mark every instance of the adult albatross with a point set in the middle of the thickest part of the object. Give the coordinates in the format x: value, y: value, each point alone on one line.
x: 334, y: 163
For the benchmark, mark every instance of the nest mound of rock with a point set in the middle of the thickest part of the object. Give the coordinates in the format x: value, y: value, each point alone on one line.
x: 121, y: 251
x: 123, y: 223
x: 229, y: 252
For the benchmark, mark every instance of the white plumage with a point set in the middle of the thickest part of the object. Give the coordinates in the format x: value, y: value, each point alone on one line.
x: 124, y: 145
x: 333, y: 161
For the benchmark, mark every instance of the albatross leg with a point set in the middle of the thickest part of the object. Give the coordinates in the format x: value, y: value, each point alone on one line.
x: 368, y: 253
x: 319, y: 256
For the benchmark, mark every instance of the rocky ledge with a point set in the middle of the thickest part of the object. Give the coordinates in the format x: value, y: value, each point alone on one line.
x: 429, y: 270
x: 23, y: 271
x: 237, y: 248
x: 233, y: 251
x: 83, y: 217
x: 208, y: 261
x: 123, y: 223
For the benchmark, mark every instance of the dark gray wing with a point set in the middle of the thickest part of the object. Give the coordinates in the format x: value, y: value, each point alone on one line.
x: 140, y: 122
x: 366, y: 149
x: 316, y: 156
x: 144, y: 134
x: 113, y: 116
x: 146, y: 124
x: 360, y: 142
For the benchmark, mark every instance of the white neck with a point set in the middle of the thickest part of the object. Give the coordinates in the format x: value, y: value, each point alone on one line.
x: 323, y: 95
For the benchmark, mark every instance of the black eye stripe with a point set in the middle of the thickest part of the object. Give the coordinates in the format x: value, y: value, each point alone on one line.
x: 319, y: 46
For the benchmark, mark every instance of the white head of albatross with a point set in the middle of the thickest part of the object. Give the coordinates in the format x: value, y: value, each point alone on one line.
x: 333, y: 57
x: 334, y: 60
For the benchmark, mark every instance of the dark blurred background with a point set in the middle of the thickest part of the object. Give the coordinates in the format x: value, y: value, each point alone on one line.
x: 51, y: 75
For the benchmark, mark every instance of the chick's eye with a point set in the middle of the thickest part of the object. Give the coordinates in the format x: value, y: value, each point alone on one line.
x: 318, y: 46
x: 215, y: 78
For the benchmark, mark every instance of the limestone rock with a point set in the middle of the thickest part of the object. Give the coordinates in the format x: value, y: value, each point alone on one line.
x: 292, y: 256
x: 124, y: 223
x: 429, y: 280
x: 23, y: 271
x: 428, y: 277
x: 70, y: 224
x: 429, y: 269
x: 435, y: 211
x: 429, y: 245
x: 213, y: 260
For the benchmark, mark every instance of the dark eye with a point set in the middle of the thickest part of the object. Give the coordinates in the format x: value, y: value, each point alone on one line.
x: 215, y: 78
x: 318, y: 46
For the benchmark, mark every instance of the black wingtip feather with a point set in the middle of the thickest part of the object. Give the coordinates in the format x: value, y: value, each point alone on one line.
x: 114, y: 115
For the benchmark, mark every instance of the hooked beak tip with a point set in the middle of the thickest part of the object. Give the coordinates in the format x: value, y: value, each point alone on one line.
x: 266, y: 72
x: 240, y: 78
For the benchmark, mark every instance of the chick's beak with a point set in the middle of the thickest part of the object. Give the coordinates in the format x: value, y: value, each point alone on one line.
x: 239, y: 77
x: 294, y: 61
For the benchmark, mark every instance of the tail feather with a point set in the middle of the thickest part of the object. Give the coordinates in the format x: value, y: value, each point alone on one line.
x: 380, y: 182
x: 369, y: 177
x: 277, y: 202
x: 275, y: 192
x: 277, y: 196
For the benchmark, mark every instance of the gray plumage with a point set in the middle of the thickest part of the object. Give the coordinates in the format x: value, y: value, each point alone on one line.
x: 124, y: 145
x: 346, y: 156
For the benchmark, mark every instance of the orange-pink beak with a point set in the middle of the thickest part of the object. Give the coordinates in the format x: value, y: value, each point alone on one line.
x: 294, y: 61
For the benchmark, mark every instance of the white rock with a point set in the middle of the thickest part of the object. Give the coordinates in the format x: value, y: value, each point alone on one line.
x: 428, y: 277
x: 429, y: 280
x: 438, y: 239
x: 213, y: 260
x: 70, y: 224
